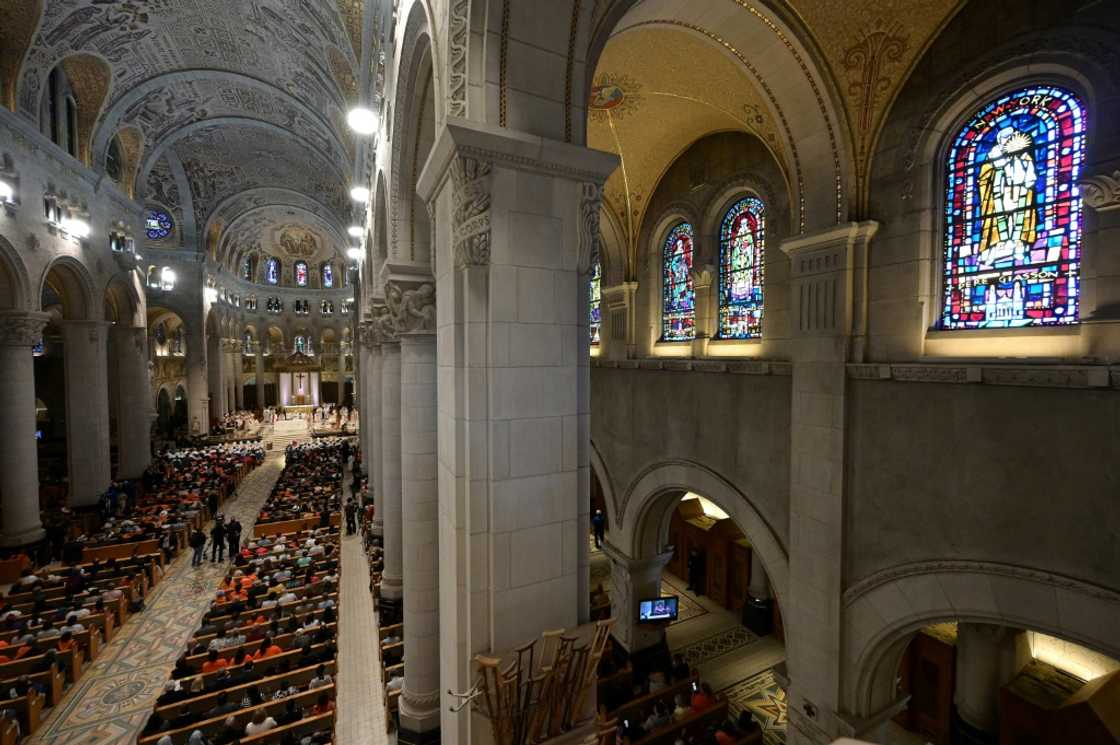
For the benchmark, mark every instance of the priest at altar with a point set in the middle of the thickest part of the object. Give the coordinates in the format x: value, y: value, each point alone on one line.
x: 298, y: 380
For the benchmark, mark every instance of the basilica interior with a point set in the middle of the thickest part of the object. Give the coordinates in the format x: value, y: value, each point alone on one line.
x: 588, y: 372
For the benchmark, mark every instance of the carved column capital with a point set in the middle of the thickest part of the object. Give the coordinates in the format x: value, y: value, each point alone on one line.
x: 20, y: 328
x: 470, y: 217
x: 591, y: 201
x: 413, y: 306
x: 1102, y: 192
x: 384, y: 325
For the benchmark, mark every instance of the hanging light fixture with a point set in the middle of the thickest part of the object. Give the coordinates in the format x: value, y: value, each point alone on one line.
x: 356, y: 231
x: 362, y: 120
x: 355, y: 253
x: 76, y: 227
x: 360, y: 194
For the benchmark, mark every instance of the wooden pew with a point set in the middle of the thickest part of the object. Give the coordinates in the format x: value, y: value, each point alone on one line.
x: 635, y: 707
x: 692, y: 725
x: 299, y: 729
x: 271, y: 612
x: 29, y: 708
x: 123, y: 550
x: 71, y: 659
x: 52, y: 680
x: 293, y: 526
x: 199, y: 704
x: 283, y: 641
x: 9, y: 732
x: 209, y: 727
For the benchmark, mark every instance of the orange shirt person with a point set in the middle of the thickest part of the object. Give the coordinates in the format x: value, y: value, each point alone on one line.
x: 66, y: 642
x: 267, y: 649
x: 214, y: 662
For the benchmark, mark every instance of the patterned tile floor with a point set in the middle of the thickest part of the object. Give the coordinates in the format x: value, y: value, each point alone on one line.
x: 113, y: 699
x: 766, y: 700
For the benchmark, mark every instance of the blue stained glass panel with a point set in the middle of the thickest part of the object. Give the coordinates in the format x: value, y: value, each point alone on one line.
x: 742, y: 241
x: 678, y: 300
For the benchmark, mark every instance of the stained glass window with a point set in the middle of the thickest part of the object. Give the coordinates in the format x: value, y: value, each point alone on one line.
x: 247, y: 268
x: 301, y: 273
x: 272, y: 271
x: 300, y: 345
x: 1013, y: 213
x: 678, y: 305
x: 328, y: 275
x: 742, y: 257
x: 596, y: 299
x: 159, y: 225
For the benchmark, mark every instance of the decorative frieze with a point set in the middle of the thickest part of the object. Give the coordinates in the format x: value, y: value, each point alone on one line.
x: 590, y: 203
x: 413, y: 307
x: 471, y: 216
x: 21, y: 328
x: 1039, y: 376
x: 1102, y: 192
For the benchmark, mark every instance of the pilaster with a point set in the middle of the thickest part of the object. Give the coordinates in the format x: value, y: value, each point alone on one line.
x: 87, y: 409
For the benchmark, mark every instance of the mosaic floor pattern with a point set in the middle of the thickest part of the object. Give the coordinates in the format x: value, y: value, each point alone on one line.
x: 113, y: 699
x: 687, y: 608
x: 716, y: 645
x: 766, y: 700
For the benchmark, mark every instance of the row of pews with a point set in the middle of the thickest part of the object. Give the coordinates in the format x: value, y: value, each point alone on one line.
x: 390, y: 630
x: 54, y: 623
x: 264, y: 656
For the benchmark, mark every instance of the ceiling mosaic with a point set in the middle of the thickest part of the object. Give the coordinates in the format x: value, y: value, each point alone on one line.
x: 278, y: 223
x: 247, y: 95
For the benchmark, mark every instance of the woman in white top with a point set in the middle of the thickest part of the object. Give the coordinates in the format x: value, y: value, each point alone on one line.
x: 261, y: 723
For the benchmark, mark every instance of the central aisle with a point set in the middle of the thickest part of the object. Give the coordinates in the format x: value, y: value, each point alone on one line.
x: 114, y: 697
x: 360, y: 692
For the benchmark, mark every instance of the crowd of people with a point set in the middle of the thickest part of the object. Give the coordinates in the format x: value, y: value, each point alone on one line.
x: 311, y: 483
x: 236, y: 423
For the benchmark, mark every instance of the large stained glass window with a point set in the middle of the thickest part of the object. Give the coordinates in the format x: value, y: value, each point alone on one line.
x: 301, y: 273
x: 1013, y: 213
x: 596, y: 320
x: 678, y: 305
x: 742, y: 257
x: 328, y: 275
x: 272, y: 271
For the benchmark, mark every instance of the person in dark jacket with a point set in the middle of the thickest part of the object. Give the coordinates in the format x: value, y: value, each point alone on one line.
x: 218, y: 540
x: 198, y: 543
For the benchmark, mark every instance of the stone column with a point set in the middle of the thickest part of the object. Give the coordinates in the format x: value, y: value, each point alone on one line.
x: 238, y: 378
x: 988, y: 657
x: 420, y: 709
x: 19, y: 462
x: 619, y: 324
x: 215, y: 362
x: 198, y: 388
x: 631, y: 581
x: 258, y: 369
x: 87, y: 409
x: 702, y: 281
x: 371, y: 424
x: 391, y: 465
x: 514, y: 455
x: 134, y: 408
x: 824, y: 275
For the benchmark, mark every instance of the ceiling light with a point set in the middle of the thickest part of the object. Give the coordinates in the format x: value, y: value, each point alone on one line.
x: 75, y: 227
x: 355, y: 253
x: 360, y: 194
x: 362, y: 120
x: 356, y: 231
x: 211, y: 294
x: 6, y: 191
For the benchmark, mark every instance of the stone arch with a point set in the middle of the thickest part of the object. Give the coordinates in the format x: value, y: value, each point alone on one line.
x: 131, y: 141
x: 650, y: 260
x: 90, y: 76
x: 599, y: 468
x: 18, y: 24
x: 123, y: 303
x: 15, y: 284
x: 885, y: 610
x: 645, y: 510
x: 418, y: 85
x: 72, y: 283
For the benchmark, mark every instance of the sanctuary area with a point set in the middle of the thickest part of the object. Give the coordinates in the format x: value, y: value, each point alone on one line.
x: 559, y: 372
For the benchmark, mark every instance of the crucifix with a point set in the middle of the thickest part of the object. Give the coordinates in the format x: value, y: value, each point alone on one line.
x: 299, y: 382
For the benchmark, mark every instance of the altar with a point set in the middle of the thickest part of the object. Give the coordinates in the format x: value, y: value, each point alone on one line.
x: 298, y: 380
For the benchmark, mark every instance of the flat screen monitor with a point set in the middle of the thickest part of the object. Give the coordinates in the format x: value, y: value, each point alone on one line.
x: 658, y: 609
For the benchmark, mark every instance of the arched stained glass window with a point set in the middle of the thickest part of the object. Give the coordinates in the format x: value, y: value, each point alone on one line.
x: 301, y: 273
x: 596, y: 300
x: 328, y: 275
x: 301, y: 345
x: 1013, y: 213
x: 678, y: 299
x: 742, y: 258
x: 272, y: 271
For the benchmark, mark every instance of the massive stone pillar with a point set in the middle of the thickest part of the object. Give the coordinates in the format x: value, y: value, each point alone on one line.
x: 215, y: 364
x: 631, y: 581
x: 134, y: 408
x: 198, y: 388
x: 19, y: 463
x: 87, y: 409
x: 238, y: 378
x: 825, y: 276
x: 370, y: 381
x: 391, y: 465
x: 258, y: 369
x: 988, y: 657
x: 514, y: 455
x: 420, y: 700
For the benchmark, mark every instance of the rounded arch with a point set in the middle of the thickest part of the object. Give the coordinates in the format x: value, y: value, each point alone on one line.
x: 885, y: 610
x: 15, y: 283
x: 70, y: 282
x: 122, y: 302
x: 418, y: 110
x: 18, y: 24
x: 89, y: 76
x: 599, y: 468
x: 646, y: 508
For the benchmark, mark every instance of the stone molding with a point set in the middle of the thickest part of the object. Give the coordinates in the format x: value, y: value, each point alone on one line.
x: 470, y: 219
x: 458, y: 43
x: 1037, y: 376
x: 590, y: 203
x: 1102, y: 192
x: 413, y: 307
x: 964, y: 566
x: 367, y: 334
x: 20, y: 328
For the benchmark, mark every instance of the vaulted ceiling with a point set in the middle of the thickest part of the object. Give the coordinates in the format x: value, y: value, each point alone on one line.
x: 233, y: 104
